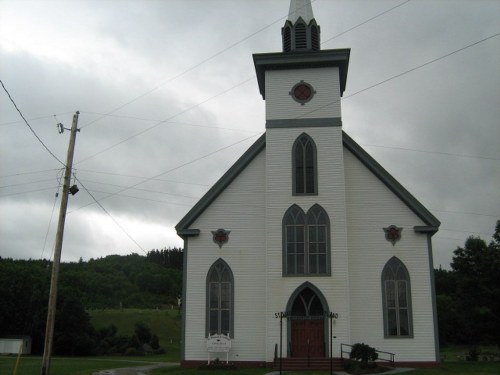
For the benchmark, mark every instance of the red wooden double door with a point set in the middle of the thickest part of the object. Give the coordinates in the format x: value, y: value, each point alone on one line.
x: 308, y: 338
x: 307, y: 325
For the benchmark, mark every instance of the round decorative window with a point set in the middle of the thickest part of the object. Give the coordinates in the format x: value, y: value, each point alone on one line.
x: 302, y: 92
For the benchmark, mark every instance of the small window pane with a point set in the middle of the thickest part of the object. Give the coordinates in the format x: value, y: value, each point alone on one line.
x: 224, y: 321
x: 391, y: 323
x: 313, y: 264
x: 390, y: 293
x: 321, y: 233
x: 402, y: 300
x: 300, y: 248
x: 225, y: 301
x: 214, y: 295
x: 214, y: 322
x: 322, y: 264
x: 313, y: 233
x: 403, y: 322
x: 299, y: 180
x: 313, y: 248
x: 300, y: 264
x: 300, y: 233
x: 290, y: 264
x: 310, y: 180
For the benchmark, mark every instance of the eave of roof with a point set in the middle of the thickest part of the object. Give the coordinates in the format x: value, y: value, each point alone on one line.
x: 220, y: 185
x: 431, y: 223
x: 301, y: 60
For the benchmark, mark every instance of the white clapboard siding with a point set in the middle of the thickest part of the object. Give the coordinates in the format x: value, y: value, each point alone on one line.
x: 239, y: 209
x: 326, y: 101
x: 372, y: 206
x: 332, y: 198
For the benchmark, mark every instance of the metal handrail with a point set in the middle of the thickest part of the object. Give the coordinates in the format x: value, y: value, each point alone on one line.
x: 391, y: 355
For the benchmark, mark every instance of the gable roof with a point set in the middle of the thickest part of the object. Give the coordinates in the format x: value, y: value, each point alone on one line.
x: 432, y: 224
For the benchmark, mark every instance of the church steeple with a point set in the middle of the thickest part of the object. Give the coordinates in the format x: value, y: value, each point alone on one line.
x: 300, y: 32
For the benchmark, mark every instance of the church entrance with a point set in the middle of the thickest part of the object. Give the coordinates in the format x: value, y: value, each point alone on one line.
x: 307, y: 325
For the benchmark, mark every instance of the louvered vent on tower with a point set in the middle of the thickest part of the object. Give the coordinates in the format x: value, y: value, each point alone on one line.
x: 287, y: 38
x: 300, y: 36
x: 314, y: 38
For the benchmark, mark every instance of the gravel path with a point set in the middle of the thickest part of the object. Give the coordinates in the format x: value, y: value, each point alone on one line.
x: 141, y: 370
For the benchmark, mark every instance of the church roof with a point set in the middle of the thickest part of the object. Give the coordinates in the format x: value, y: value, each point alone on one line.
x: 431, y: 222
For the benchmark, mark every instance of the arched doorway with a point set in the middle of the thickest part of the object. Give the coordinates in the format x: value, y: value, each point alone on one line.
x: 306, y: 323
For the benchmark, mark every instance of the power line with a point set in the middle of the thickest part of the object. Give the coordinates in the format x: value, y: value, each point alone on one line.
x: 433, y: 152
x: 140, y: 177
x: 471, y: 232
x: 110, y: 216
x: 32, y: 119
x: 465, y: 213
x: 165, y: 121
x: 56, y: 195
x: 169, y: 122
x: 25, y: 173
x: 145, y: 190
x: 26, y: 183
x: 29, y: 126
x: 399, y: 75
x: 364, y: 22
x: 193, y: 67
x: 421, y: 66
x: 171, y: 170
x: 28, y: 191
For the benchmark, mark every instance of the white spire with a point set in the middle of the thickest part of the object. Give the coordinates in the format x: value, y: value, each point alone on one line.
x: 300, y: 8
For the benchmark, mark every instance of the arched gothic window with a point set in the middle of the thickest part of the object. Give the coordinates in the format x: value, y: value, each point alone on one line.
x: 396, y: 298
x: 306, y: 241
x: 220, y: 299
x: 304, y: 166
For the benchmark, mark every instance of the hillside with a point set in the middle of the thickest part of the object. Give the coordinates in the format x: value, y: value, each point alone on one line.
x: 131, y: 281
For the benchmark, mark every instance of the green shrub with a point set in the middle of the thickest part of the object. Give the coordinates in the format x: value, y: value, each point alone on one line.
x: 363, y: 354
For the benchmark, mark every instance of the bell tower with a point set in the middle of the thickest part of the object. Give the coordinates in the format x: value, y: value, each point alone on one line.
x: 304, y: 169
x: 302, y: 84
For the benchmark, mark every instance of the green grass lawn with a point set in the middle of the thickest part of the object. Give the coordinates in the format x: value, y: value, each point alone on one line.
x: 63, y: 366
x: 86, y: 366
x: 166, y: 324
x: 451, y: 368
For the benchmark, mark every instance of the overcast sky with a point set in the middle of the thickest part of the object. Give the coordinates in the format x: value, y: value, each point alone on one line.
x: 168, y: 100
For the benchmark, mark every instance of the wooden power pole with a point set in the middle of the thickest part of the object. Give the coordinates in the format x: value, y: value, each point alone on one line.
x: 51, y: 313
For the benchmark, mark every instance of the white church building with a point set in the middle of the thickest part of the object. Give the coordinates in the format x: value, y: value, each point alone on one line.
x: 308, y: 227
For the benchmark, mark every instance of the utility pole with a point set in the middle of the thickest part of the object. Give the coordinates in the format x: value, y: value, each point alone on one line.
x: 51, y: 313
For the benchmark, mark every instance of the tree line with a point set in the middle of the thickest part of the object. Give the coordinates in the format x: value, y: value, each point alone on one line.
x: 113, y: 281
x: 468, y: 295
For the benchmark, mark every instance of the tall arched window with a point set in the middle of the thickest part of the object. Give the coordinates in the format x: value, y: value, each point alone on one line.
x: 304, y: 170
x: 396, y: 298
x: 220, y: 299
x: 306, y: 241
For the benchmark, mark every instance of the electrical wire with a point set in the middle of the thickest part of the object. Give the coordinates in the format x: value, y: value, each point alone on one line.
x: 364, y: 22
x: 32, y: 119
x: 400, y: 74
x: 29, y: 126
x: 432, y: 152
x: 56, y: 195
x: 170, y: 170
x: 193, y: 67
x: 165, y: 121
x: 109, y: 215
